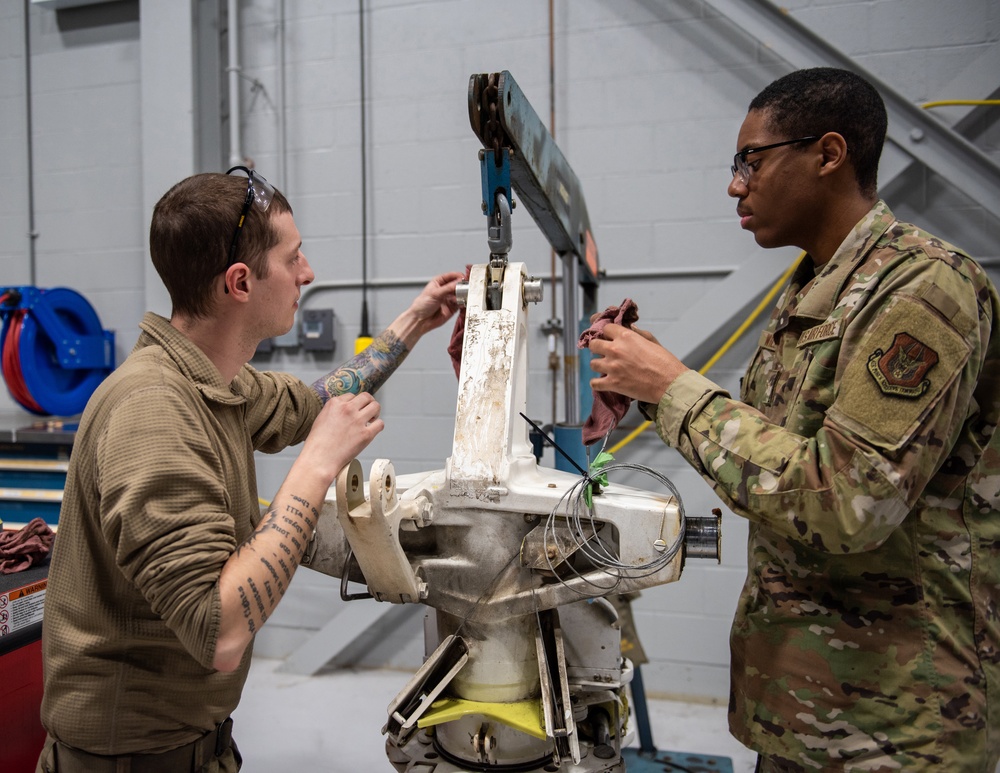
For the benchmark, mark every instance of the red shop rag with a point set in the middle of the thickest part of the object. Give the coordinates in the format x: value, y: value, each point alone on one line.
x: 458, y: 334
x: 25, y: 547
x: 609, y: 407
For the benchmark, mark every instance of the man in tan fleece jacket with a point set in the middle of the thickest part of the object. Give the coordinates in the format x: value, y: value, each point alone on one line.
x: 164, y: 568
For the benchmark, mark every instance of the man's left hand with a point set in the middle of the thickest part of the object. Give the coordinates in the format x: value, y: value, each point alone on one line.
x: 437, y: 302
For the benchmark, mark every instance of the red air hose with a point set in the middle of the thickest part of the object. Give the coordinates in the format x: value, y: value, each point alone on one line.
x: 11, y: 364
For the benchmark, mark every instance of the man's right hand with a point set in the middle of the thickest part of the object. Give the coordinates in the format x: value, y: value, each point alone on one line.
x: 256, y: 576
x: 632, y: 363
x: 343, y: 429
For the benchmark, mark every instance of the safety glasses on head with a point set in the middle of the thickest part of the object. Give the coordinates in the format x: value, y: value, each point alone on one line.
x: 259, y: 192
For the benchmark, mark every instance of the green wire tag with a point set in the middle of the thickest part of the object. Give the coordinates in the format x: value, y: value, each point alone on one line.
x: 599, y: 463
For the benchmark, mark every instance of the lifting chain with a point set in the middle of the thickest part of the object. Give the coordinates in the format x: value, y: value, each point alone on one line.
x: 493, y: 134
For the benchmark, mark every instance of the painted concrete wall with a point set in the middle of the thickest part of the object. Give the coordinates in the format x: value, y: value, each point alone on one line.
x: 649, y: 96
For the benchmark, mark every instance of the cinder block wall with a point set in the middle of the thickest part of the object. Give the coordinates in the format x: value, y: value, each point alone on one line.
x: 89, y: 230
x: 649, y: 96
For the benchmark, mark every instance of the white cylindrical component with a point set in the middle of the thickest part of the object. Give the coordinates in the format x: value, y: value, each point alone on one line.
x: 503, y: 662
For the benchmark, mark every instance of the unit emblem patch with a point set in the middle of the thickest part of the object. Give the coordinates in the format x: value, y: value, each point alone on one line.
x: 902, y: 370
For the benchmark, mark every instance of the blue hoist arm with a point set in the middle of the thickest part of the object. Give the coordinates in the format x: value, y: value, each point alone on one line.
x: 519, y: 151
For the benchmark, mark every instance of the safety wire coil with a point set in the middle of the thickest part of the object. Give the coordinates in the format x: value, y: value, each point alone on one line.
x: 584, y: 532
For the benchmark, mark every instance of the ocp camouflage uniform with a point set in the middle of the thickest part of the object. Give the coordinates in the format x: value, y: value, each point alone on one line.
x: 864, y: 454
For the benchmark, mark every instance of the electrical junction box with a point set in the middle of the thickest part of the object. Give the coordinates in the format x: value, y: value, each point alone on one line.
x: 316, y: 332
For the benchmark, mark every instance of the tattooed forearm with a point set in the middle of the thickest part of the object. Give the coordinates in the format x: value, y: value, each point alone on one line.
x: 247, y: 613
x: 276, y: 548
x: 277, y: 582
x: 270, y: 521
x: 257, y: 598
x: 305, y: 506
x: 301, y: 513
x: 304, y: 503
x: 367, y: 371
x: 295, y: 511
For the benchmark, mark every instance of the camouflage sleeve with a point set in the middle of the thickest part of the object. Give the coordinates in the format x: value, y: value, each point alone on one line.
x: 884, y: 432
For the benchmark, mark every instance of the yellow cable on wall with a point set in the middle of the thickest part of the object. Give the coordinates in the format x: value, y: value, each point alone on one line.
x: 967, y: 102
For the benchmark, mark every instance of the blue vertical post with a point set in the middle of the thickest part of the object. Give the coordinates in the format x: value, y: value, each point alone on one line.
x: 569, y: 437
x: 586, y: 394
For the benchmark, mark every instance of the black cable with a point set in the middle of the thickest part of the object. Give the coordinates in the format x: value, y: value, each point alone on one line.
x: 553, y: 443
x: 364, y: 176
x: 345, y: 573
x: 29, y: 143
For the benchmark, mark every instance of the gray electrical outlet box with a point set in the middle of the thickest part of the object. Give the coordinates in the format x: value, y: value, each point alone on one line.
x: 316, y: 333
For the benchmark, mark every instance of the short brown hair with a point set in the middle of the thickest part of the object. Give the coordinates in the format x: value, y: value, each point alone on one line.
x: 191, y: 230
x: 815, y: 101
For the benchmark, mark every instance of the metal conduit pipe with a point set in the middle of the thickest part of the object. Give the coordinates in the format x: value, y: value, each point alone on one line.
x: 282, y: 108
x: 235, y: 148
x: 628, y: 275
x: 571, y: 375
x: 633, y: 275
x: 28, y: 144
x: 553, y: 357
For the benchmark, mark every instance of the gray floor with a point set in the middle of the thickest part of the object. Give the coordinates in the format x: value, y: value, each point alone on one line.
x: 332, y: 722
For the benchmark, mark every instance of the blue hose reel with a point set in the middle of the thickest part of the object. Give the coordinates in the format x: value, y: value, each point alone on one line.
x: 53, y: 349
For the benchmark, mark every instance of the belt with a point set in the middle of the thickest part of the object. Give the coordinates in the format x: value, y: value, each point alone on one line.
x: 189, y: 757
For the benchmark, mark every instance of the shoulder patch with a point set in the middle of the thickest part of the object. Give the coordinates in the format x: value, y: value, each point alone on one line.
x: 902, y: 369
x: 906, y: 359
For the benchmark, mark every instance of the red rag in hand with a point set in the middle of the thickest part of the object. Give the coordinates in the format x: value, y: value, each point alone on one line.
x: 26, y: 546
x: 609, y: 407
x: 458, y: 334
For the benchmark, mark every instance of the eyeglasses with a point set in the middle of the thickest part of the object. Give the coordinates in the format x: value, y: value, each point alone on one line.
x: 743, y: 170
x: 261, y: 193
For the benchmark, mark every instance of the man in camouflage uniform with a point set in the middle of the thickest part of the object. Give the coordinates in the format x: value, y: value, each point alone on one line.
x: 863, y: 452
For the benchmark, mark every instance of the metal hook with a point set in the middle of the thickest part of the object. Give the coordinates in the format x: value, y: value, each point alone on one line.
x: 499, y: 234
